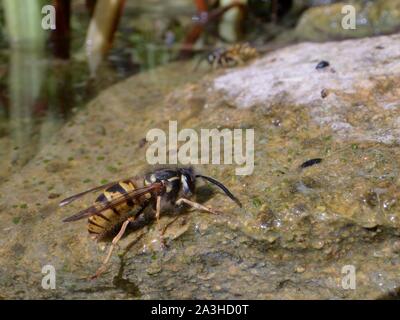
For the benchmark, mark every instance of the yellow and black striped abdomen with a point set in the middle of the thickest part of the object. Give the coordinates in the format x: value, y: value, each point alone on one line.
x: 241, y: 52
x: 101, y: 223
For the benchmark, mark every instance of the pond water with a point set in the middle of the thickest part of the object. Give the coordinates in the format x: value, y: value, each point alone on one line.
x: 39, y: 93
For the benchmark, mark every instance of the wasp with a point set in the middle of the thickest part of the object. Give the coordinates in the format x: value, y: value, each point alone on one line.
x: 232, y: 56
x: 228, y: 57
x: 121, y: 203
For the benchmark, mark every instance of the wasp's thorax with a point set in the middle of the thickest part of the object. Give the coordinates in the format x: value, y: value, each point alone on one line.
x: 177, y: 183
x: 181, y: 182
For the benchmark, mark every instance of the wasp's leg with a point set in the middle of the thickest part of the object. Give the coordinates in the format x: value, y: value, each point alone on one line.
x: 221, y: 62
x: 168, y: 224
x: 196, y: 205
x: 234, y: 61
x: 121, y: 232
x: 160, y: 230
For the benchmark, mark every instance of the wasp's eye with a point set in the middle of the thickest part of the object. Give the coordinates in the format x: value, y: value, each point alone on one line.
x: 185, y: 180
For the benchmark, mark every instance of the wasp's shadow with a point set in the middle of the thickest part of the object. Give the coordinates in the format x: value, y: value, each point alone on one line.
x: 392, y: 295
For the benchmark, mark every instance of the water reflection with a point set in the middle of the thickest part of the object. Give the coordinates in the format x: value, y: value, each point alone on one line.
x: 25, y: 81
x: 38, y: 92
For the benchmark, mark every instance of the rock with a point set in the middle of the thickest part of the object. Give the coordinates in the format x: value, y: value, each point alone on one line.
x: 300, y: 269
x: 323, y: 23
x: 343, y: 210
x: 362, y: 81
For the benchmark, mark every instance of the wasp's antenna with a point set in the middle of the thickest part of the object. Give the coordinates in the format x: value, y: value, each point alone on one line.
x: 225, y: 189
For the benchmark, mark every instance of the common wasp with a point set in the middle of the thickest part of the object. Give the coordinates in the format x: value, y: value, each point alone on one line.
x: 121, y: 203
x: 232, y: 56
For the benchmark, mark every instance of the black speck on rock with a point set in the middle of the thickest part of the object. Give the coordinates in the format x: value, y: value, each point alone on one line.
x: 322, y: 64
x: 324, y: 93
x: 310, y: 163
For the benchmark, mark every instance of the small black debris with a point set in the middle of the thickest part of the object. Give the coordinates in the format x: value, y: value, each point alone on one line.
x: 324, y: 93
x: 53, y: 195
x: 277, y: 122
x: 310, y: 163
x: 322, y: 64
x: 142, y: 143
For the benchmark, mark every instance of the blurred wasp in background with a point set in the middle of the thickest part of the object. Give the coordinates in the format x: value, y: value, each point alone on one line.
x: 228, y: 57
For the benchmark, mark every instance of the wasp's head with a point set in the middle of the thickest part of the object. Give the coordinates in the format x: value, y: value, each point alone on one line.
x: 211, y: 58
x: 215, y: 55
x: 175, y: 180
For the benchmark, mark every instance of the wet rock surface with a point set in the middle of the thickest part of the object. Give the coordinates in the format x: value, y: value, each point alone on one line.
x: 299, y: 225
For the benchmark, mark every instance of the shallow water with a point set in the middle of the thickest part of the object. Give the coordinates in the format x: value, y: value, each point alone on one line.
x: 39, y: 93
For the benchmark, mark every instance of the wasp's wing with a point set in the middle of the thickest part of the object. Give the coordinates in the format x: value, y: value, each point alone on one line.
x: 77, y: 196
x: 100, y: 207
